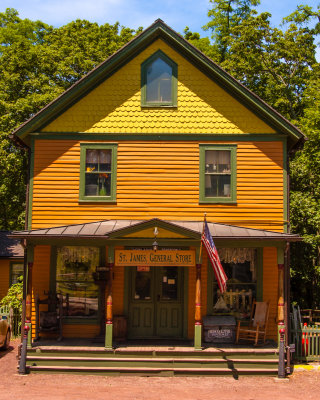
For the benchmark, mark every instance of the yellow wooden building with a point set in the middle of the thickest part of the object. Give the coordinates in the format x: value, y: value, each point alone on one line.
x: 123, y: 167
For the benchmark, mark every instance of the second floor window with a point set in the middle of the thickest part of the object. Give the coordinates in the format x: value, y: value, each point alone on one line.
x: 217, y: 173
x: 98, y: 172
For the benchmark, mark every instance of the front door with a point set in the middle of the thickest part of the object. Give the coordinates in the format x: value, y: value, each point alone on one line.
x: 156, y: 302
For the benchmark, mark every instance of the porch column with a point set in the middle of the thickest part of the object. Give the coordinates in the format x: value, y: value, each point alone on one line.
x: 281, y: 324
x: 29, y: 293
x: 109, y: 313
x: 197, y: 317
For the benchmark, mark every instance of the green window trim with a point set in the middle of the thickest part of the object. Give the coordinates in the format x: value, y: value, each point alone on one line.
x: 174, y: 81
x: 233, y: 175
x: 113, y: 184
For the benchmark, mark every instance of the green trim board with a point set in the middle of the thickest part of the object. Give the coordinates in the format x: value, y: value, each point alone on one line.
x: 286, y: 217
x: 144, y: 81
x: 31, y: 174
x: 118, y: 137
x: 203, y: 173
x: 83, y: 197
x: 160, y: 30
x: 198, y: 337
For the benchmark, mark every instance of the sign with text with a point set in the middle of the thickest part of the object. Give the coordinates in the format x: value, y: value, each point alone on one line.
x: 159, y: 258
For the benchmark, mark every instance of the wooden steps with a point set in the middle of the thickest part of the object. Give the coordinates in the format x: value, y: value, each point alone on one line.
x: 147, y: 362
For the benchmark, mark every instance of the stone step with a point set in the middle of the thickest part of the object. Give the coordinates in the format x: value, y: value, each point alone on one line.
x: 153, y: 359
x: 151, y: 371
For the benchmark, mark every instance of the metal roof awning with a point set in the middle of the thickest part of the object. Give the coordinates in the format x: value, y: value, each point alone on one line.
x: 115, y: 228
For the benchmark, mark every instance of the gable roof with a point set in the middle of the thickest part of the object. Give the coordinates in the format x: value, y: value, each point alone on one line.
x: 117, y: 228
x: 10, y: 248
x: 158, y: 30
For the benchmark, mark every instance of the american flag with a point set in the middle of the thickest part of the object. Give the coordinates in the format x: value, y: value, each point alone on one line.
x: 218, y: 270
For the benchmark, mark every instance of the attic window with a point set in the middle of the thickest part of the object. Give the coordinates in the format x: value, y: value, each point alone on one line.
x: 159, y: 81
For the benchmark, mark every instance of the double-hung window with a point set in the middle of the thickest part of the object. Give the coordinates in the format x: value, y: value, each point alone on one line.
x: 98, y: 172
x: 217, y: 173
x: 159, y: 81
x: 16, y: 271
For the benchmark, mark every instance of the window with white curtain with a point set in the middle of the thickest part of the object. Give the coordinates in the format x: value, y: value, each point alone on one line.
x: 218, y: 173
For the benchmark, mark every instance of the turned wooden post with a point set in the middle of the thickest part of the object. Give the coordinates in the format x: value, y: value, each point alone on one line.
x: 109, y: 313
x: 29, y: 302
x: 281, y: 324
x: 197, y: 316
x: 280, y: 295
x: 109, y: 297
x: 29, y: 293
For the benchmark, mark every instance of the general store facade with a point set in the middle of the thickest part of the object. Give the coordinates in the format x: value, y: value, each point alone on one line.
x: 123, y: 167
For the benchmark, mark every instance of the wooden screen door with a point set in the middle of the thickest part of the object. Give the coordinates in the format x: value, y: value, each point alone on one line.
x: 156, y: 302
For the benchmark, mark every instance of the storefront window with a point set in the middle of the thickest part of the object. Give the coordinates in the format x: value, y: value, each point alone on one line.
x: 241, y: 290
x: 75, y: 265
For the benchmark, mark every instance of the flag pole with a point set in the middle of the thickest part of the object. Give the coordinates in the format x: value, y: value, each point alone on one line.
x: 200, y: 251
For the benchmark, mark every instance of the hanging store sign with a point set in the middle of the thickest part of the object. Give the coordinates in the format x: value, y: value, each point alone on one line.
x: 159, y: 258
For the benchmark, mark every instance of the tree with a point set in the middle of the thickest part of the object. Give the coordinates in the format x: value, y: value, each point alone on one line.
x: 37, y: 63
x: 226, y: 15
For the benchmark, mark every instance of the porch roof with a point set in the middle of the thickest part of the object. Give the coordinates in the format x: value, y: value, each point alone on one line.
x: 9, y: 247
x: 114, y: 228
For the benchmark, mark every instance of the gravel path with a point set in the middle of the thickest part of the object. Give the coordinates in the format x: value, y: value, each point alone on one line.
x: 302, y: 385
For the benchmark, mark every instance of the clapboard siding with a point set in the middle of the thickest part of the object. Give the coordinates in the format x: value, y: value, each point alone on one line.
x: 4, y: 277
x: 270, y: 287
x: 40, y: 278
x: 158, y: 179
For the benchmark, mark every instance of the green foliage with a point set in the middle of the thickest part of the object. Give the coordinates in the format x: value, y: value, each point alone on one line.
x: 13, y: 299
x: 226, y: 15
x: 279, y: 65
x: 37, y: 63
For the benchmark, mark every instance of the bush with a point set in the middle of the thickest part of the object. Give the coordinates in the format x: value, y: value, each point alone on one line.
x: 13, y: 299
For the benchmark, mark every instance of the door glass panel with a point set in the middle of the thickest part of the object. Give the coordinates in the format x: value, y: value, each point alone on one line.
x: 169, y: 284
x: 142, y: 285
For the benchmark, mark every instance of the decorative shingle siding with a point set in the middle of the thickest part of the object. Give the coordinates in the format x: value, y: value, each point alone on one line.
x: 115, y: 105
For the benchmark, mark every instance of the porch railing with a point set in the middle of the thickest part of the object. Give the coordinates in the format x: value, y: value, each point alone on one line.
x: 14, y: 319
x: 305, y: 337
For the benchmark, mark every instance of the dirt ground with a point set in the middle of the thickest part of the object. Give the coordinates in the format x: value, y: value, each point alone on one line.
x: 302, y: 385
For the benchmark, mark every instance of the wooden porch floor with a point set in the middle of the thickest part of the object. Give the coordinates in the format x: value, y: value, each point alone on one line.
x: 269, y: 347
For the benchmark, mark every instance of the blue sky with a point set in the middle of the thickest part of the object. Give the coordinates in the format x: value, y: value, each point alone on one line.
x: 134, y: 13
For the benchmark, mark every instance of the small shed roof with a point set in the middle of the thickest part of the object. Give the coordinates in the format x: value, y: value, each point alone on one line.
x: 9, y: 247
x: 107, y: 228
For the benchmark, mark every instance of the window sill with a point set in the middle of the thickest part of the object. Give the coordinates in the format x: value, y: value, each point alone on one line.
x: 217, y: 201
x: 159, y: 105
x: 97, y: 199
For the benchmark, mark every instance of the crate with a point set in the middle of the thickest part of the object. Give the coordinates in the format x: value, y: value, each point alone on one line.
x: 219, y: 329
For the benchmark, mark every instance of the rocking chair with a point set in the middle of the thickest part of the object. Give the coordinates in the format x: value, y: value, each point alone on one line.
x: 49, y: 321
x: 258, y: 325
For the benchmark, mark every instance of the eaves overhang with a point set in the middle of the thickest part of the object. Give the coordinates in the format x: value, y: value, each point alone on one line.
x: 109, y: 230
